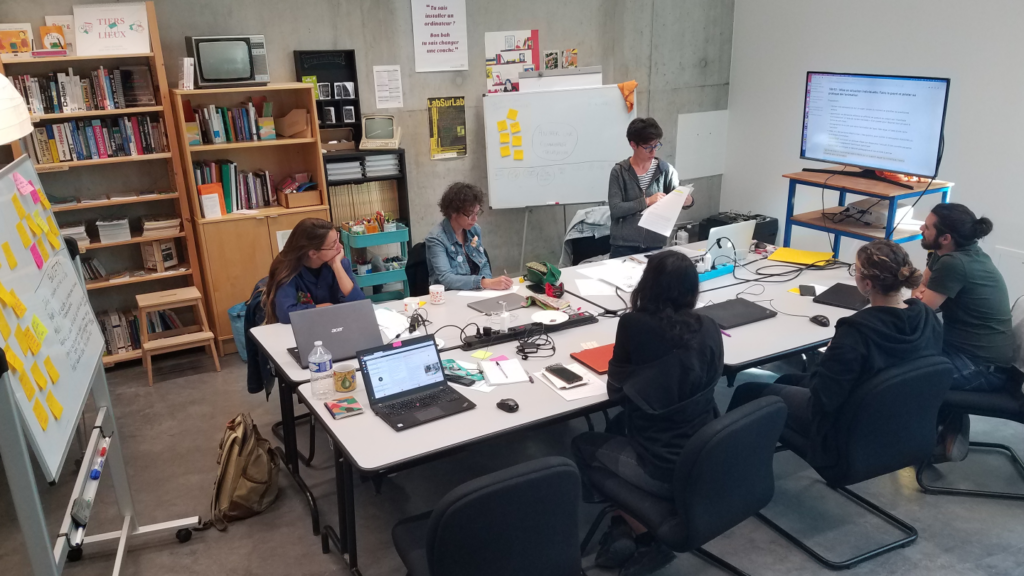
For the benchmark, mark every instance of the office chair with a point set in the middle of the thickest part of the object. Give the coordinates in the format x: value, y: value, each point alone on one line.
x: 416, y: 270
x: 1008, y: 405
x: 517, y: 521
x: 886, y: 424
x: 723, y: 477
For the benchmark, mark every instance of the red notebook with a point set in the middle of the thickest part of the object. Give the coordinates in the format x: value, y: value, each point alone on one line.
x: 596, y: 359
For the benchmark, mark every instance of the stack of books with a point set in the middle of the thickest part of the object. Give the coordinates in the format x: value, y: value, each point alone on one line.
x: 58, y: 93
x: 341, y: 171
x: 113, y: 230
x: 385, y: 165
x: 97, y: 139
x: 93, y: 269
x: 242, y: 190
x: 120, y: 331
x: 160, y: 225
x: 76, y: 231
x: 357, y: 201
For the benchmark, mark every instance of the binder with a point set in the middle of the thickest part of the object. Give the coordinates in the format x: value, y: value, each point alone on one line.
x: 596, y: 359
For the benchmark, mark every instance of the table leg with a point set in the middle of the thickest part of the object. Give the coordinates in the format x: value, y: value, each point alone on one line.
x: 344, y: 539
x: 290, y: 453
x: 789, y: 214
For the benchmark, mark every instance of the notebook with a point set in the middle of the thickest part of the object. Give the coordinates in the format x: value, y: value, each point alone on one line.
x: 503, y: 371
x: 343, y: 407
x: 596, y: 359
x: 842, y: 296
x: 736, y: 312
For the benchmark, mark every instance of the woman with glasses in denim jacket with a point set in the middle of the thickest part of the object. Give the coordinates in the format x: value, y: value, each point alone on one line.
x: 636, y: 183
x: 455, y: 250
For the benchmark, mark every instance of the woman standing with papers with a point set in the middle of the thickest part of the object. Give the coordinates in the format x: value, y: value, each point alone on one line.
x: 636, y: 183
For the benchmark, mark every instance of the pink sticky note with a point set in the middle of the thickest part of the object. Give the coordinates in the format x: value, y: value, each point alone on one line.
x: 36, y: 256
x: 499, y: 358
x: 24, y: 186
x: 34, y: 195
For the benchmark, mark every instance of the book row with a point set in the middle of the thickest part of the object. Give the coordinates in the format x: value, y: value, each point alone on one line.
x: 121, y: 328
x: 219, y: 124
x: 224, y: 189
x: 103, y: 89
x: 97, y: 139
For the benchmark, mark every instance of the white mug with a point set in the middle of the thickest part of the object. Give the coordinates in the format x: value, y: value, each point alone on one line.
x: 437, y: 294
x: 411, y: 304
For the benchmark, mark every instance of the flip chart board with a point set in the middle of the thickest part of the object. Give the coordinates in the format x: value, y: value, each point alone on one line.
x: 47, y: 328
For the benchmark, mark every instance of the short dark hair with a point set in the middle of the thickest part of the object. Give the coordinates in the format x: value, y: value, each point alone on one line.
x: 960, y: 223
x: 460, y: 198
x: 643, y: 131
x: 667, y: 291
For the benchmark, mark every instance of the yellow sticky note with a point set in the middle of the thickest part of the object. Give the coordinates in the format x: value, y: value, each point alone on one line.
x: 11, y: 260
x: 12, y: 359
x: 40, y: 412
x: 514, y: 127
x: 26, y: 240
x: 33, y: 343
x: 512, y: 114
x: 5, y: 328
x: 5, y: 296
x: 34, y: 227
x: 795, y: 290
x: 42, y: 250
x: 517, y: 140
x: 19, y: 337
x: 17, y: 304
x: 483, y: 354
x: 39, y: 328
x: 51, y: 370
x: 505, y: 151
x: 42, y: 199
x: 503, y: 138
x: 55, y: 408
x: 517, y: 155
x: 53, y: 241
x: 54, y: 229
x: 39, y: 220
x: 502, y: 125
x: 37, y: 375
x: 26, y: 386
x: 18, y: 207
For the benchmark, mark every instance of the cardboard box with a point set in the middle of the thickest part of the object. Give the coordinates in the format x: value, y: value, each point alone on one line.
x: 345, y: 139
x: 295, y: 124
x: 299, y: 199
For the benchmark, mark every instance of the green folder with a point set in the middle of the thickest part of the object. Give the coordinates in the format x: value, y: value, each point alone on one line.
x: 229, y: 185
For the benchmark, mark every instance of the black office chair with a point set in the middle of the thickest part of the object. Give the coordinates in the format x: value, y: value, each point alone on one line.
x: 723, y: 477
x: 518, y: 521
x: 586, y: 247
x: 416, y: 270
x: 887, y: 424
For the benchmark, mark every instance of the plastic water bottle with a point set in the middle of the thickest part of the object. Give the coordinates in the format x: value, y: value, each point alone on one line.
x: 321, y: 372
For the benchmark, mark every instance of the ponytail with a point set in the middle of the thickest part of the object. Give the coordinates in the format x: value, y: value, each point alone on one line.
x: 960, y: 223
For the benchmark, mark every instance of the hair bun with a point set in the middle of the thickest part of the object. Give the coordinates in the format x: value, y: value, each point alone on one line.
x: 906, y: 272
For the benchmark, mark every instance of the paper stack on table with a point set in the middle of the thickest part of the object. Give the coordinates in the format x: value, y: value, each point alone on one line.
x: 590, y: 287
x: 624, y: 274
x: 661, y: 217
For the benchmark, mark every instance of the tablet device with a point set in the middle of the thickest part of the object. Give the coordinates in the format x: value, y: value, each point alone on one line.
x: 736, y: 312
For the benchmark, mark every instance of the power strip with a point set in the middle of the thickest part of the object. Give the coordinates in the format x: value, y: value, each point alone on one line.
x: 516, y: 332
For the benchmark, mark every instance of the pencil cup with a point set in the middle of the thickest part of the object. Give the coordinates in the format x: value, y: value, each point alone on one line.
x: 437, y: 294
x: 344, y: 377
x: 411, y: 304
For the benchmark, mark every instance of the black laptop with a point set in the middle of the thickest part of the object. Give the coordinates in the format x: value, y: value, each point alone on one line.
x: 736, y: 312
x: 842, y: 296
x: 405, y: 383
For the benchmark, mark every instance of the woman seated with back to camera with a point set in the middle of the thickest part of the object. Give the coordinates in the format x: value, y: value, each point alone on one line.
x: 664, y: 367
x: 455, y: 250
x: 892, y: 331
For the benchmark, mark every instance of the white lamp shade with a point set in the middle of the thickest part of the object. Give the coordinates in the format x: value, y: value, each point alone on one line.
x: 15, y: 122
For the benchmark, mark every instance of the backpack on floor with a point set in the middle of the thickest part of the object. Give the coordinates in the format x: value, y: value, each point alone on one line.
x: 247, y: 481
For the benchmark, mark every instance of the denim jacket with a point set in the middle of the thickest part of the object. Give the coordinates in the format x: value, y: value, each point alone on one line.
x: 446, y: 259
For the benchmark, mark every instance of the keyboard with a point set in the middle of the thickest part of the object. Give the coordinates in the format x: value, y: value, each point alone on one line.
x: 516, y: 332
x: 413, y: 403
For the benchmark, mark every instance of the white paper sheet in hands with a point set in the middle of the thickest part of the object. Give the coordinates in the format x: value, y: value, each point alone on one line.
x: 662, y: 216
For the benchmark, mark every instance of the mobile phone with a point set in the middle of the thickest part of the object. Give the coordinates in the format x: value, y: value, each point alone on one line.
x: 535, y: 288
x: 563, y: 374
x: 807, y: 290
x: 460, y: 380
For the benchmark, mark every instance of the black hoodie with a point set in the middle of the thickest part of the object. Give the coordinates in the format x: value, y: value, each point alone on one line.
x: 866, y: 343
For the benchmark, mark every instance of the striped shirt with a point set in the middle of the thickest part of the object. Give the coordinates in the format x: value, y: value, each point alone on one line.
x: 645, y: 180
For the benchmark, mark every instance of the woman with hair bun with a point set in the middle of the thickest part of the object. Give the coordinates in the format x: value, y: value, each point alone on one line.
x: 890, y: 332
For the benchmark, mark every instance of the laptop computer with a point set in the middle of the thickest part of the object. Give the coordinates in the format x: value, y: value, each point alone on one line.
x: 512, y: 302
x: 405, y: 383
x: 726, y: 243
x: 843, y: 296
x: 343, y: 328
x: 736, y: 312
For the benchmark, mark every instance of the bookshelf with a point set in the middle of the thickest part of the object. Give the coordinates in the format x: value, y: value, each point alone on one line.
x: 235, y: 250
x: 94, y: 178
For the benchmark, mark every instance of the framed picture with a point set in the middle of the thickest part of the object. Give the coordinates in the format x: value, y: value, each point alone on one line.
x: 551, y: 60
x: 348, y: 90
x: 323, y: 90
x: 329, y: 116
x: 348, y: 114
x: 569, y: 58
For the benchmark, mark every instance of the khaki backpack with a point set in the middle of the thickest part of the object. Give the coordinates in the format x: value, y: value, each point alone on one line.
x: 247, y: 481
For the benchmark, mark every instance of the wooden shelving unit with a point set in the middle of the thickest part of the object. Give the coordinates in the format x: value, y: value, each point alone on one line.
x: 13, y: 64
x: 236, y: 250
x: 136, y: 239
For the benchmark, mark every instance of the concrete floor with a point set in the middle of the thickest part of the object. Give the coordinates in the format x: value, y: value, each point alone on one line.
x: 170, y: 434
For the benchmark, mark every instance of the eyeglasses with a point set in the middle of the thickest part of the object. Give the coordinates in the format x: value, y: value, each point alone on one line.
x: 473, y: 214
x: 331, y: 247
x: 652, y: 147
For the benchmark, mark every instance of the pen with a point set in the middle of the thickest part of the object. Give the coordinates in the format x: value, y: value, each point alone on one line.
x: 500, y: 368
x: 530, y: 376
x: 724, y: 333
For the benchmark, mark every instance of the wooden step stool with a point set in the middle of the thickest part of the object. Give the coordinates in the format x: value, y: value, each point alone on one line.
x: 179, y: 338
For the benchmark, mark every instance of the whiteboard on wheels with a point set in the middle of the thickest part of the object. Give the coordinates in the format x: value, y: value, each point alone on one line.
x: 554, y: 146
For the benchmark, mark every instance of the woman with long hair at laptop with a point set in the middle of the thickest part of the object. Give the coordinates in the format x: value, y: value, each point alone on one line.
x: 664, y: 367
x: 310, y: 271
x: 891, y: 331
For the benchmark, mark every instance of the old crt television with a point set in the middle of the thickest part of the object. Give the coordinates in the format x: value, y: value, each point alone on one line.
x: 223, y: 61
x: 380, y: 133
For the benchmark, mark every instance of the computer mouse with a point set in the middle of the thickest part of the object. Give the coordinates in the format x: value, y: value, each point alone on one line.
x: 508, y: 405
x: 821, y: 320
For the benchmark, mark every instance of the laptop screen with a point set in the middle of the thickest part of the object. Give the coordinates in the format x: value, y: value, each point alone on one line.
x: 412, y: 365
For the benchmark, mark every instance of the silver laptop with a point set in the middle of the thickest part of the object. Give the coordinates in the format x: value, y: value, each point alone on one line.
x: 343, y: 328
x: 497, y: 304
x: 729, y: 243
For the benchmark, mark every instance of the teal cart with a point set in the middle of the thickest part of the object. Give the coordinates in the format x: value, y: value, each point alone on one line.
x: 399, y: 236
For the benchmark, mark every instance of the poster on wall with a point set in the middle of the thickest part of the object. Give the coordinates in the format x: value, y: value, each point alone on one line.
x: 508, y: 54
x: 447, y: 127
x: 111, y: 29
x: 439, y: 35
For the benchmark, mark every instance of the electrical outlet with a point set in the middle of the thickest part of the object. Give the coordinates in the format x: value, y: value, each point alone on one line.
x: 1010, y: 263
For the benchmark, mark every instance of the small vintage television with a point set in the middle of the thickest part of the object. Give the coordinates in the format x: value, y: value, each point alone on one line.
x: 380, y: 133
x: 223, y: 61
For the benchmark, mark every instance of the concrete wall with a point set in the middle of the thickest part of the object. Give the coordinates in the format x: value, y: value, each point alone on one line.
x: 973, y: 44
x: 679, y: 52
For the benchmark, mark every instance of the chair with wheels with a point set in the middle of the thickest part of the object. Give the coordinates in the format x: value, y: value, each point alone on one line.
x: 1008, y: 405
x: 723, y: 477
x: 887, y: 424
x: 416, y: 270
x: 518, y: 521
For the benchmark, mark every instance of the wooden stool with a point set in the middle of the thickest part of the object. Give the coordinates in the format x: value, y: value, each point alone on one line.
x: 179, y: 338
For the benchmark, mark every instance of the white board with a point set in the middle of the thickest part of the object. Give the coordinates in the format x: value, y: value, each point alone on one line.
x: 570, y: 140
x: 54, y: 295
x: 700, y: 144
